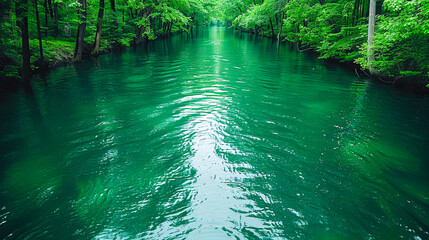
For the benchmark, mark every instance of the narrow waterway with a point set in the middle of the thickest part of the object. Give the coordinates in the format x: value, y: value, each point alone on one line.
x: 219, y: 135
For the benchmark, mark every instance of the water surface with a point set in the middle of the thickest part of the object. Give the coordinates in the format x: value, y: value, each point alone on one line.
x: 219, y: 135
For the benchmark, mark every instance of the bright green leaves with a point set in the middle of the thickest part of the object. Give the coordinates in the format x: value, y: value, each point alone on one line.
x: 254, y: 17
x: 247, y: 14
x: 264, y: 16
x: 145, y: 22
x: 339, y: 28
x: 344, y: 45
x: 303, y: 24
x: 200, y: 12
x: 169, y: 14
x: 181, y: 5
x: 410, y: 73
x: 401, y: 39
x: 326, y: 28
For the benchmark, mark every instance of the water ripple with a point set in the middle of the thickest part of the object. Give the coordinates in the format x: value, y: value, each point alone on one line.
x: 212, y: 137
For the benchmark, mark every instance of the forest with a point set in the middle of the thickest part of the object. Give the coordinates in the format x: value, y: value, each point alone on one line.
x: 388, y: 39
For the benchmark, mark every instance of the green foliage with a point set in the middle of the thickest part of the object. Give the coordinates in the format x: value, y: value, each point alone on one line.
x: 55, y: 51
x: 259, y: 16
x: 335, y: 28
x: 343, y: 45
x: 401, y: 39
x: 339, y: 29
x: 169, y: 14
x: 126, y: 42
x: 120, y: 26
x: 410, y: 73
x: 10, y: 71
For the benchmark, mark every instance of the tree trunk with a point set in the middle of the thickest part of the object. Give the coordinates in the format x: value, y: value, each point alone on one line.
x: 112, y: 5
x: 80, y: 31
x: 277, y: 18
x: 22, y: 21
x: 140, y: 36
x: 50, y: 9
x: 12, y: 26
x: 371, y: 26
x: 99, y: 26
x: 280, y: 30
x: 56, y: 31
x: 142, y: 29
x: 45, y: 6
x: 272, y: 28
x: 131, y: 13
x: 354, y: 13
x: 169, y: 27
x: 39, y: 33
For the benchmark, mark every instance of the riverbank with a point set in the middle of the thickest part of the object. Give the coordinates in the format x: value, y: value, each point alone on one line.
x: 410, y: 84
x: 57, y: 52
x: 59, y: 33
x: 374, y: 35
x: 406, y: 82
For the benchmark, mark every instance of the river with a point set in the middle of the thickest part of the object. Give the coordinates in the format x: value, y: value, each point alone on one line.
x: 219, y: 135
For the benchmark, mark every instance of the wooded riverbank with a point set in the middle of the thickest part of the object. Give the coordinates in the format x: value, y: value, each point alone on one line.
x: 216, y: 136
x: 62, y: 52
x: 43, y: 34
x: 385, y: 40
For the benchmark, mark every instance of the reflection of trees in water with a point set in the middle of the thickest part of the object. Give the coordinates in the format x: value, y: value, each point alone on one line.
x: 386, y: 167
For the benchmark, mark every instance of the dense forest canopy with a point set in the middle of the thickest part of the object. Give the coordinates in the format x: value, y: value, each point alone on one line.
x: 37, y: 33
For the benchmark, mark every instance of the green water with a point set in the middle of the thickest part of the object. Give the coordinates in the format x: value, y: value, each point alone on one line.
x: 217, y: 136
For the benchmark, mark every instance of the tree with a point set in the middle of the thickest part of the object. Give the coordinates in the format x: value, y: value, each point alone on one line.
x: 112, y: 5
x: 39, y: 34
x: 371, y: 26
x: 99, y: 26
x: 80, y: 31
x: 22, y: 22
x: 56, y: 18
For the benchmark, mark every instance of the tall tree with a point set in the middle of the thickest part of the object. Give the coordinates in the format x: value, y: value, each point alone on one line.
x: 56, y: 31
x: 39, y: 34
x: 22, y: 22
x: 371, y: 26
x: 45, y: 6
x: 80, y: 31
x: 112, y: 5
x: 99, y: 26
x: 50, y: 8
x: 280, y: 28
